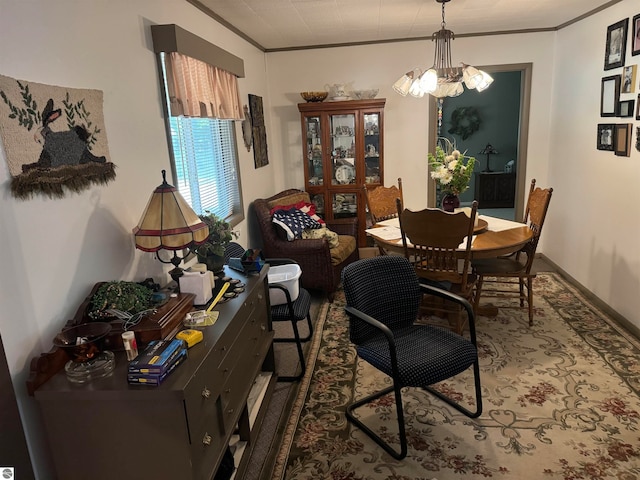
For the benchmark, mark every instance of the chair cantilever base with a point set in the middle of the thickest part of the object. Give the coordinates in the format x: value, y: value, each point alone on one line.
x: 387, y: 448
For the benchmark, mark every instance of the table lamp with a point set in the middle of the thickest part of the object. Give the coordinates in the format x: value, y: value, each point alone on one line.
x: 169, y: 223
x: 488, y: 151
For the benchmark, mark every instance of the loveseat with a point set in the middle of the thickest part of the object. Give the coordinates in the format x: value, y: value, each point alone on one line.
x: 321, y: 265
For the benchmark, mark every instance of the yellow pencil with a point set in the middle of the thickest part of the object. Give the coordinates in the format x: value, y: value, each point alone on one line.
x: 219, y: 296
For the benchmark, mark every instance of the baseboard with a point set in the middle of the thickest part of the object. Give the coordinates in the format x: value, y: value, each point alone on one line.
x: 598, y: 302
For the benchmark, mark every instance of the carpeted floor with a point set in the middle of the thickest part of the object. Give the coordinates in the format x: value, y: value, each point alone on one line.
x: 561, y: 401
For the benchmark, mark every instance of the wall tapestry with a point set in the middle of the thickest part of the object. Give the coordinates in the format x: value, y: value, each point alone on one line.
x: 260, y: 157
x: 54, y: 138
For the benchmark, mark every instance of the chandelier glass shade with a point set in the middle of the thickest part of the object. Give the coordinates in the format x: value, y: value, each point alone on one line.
x: 442, y: 79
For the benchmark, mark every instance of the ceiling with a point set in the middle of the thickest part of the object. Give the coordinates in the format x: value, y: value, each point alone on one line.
x: 274, y: 25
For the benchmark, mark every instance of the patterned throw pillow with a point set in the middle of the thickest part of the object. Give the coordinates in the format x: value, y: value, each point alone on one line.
x: 294, y: 222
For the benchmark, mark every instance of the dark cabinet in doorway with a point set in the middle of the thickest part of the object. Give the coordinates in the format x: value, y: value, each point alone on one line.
x: 495, y: 189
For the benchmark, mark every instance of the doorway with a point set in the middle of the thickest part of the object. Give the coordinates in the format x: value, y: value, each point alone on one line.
x: 501, y: 120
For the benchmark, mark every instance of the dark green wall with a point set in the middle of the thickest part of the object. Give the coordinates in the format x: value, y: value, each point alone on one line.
x: 499, y: 111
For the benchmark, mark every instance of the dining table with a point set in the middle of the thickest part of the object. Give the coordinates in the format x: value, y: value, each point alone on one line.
x: 493, y: 237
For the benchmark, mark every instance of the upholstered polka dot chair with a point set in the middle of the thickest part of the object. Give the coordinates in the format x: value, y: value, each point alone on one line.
x: 383, y: 299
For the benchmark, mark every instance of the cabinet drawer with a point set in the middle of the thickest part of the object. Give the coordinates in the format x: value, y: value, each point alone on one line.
x: 201, y: 395
x: 207, y: 444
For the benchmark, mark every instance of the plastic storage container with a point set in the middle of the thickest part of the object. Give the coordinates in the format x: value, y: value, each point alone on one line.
x: 288, y: 276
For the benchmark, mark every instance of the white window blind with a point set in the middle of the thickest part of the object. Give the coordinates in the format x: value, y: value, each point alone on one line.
x: 204, y: 152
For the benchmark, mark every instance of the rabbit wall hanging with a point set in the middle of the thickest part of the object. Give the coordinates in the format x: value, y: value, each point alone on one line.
x: 54, y: 138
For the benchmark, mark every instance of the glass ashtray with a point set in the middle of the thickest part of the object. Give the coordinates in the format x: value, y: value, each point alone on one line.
x: 101, y: 365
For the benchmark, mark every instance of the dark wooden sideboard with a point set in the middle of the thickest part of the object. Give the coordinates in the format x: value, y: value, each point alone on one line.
x: 495, y: 189
x: 108, y: 429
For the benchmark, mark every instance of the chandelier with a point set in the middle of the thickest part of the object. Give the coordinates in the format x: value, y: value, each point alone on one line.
x: 442, y: 80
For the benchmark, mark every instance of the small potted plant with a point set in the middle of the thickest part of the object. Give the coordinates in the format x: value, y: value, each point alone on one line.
x: 211, y: 252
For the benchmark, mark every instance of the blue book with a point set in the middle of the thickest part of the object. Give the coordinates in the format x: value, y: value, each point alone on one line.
x: 157, y: 379
x: 157, y: 356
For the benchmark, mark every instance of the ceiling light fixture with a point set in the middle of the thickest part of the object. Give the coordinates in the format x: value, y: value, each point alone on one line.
x: 442, y: 80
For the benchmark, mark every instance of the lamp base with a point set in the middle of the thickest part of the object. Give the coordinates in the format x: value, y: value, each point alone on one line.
x: 176, y: 273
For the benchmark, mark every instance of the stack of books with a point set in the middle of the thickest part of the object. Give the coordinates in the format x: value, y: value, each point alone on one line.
x: 157, y: 361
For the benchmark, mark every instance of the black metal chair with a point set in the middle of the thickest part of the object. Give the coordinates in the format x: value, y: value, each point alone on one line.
x: 383, y: 299
x: 291, y: 311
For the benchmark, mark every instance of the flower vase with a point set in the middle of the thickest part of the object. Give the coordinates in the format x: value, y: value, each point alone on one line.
x: 214, y: 262
x: 450, y: 202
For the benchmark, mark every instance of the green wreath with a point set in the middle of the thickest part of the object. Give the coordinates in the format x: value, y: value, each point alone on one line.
x: 465, y: 121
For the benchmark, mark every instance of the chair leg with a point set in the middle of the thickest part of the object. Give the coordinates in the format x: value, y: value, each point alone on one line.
x: 298, y: 341
x: 400, y: 416
x: 521, y: 285
x: 530, y: 299
x: 456, y: 405
x: 476, y: 300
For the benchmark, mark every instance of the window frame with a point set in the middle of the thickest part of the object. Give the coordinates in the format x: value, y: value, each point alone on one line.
x: 238, y: 207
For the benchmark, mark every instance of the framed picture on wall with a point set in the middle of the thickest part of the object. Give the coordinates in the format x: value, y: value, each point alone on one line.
x: 638, y: 108
x: 625, y: 108
x: 616, y: 46
x: 622, y: 139
x: 635, y: 41
x: 628, y: 79
x: 609, y: 96
x: 605, y: 140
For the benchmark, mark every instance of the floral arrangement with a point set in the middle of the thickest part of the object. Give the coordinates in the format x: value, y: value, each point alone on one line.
x: 220, y: 234
x: 449, y: 170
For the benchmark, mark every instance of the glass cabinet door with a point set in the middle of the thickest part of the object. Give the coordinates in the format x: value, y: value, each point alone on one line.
x: 343, y: 149
x: 371, y: 132
x: 344, y: 205
x: 314, y: 150
x: 318, y: 201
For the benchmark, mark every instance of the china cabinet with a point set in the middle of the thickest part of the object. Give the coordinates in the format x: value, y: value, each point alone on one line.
x: 343, y: 152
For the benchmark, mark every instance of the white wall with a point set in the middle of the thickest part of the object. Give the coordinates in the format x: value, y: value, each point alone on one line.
x: 56, y: 250
x: 591, y: 230
x: 593, y: 227
x: 406, y: 123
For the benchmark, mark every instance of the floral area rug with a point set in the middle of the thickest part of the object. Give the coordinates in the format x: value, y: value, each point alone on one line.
x: 561, y: 401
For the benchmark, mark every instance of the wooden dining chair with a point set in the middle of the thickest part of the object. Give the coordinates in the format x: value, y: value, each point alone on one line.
x: 381, y: 204
x: 381, y: 201
x: 438, y: 244
x: 515, y: 268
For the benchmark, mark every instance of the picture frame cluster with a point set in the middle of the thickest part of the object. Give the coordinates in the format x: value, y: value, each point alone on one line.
x: 616, y: 137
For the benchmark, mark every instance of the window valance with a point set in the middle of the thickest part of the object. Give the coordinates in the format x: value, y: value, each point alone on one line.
x: 197, y: 89
x: 201, y: 78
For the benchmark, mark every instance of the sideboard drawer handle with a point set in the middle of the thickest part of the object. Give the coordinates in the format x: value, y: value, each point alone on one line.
x: 206, y: 393
x: 206, y: 440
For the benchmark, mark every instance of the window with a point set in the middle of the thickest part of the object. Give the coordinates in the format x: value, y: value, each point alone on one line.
x: 205, y: 162
x: 204, y: 155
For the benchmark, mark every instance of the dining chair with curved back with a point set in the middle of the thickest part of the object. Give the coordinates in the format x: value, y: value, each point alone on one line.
x: 381, y: 204
x: 518, y: 265
x: 381, y: 201
x: 382, y: 327
x: 438, y: 244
